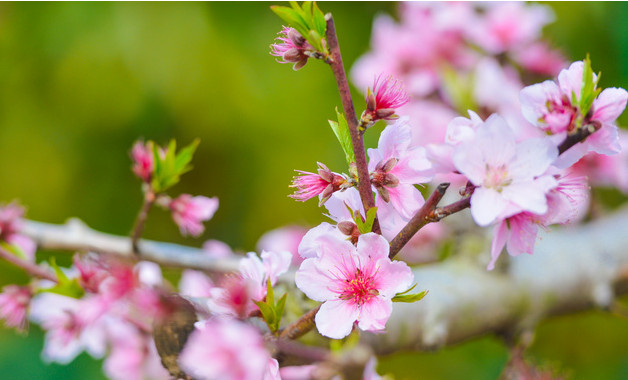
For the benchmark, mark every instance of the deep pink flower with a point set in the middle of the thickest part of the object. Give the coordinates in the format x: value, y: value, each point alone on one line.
x: 190, y: 212
x: 14, y: 302
x: 509, y: 176
x: 324, y: 183
x: 143, y: 165
x: 388, y: 94
x: 11, y: 224
x: 233, y: 297
x: 395, y: 169
x: 225, y: 349
x: 356, y: 284
x: 292, y: 48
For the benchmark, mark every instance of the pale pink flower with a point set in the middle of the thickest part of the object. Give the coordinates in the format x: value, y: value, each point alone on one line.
x: 291, y: 48
x: 387, y: 95
x: 395, y: 169
x: 539, y: 58
x: 92, y: 272
x: 257, y: 272
x: 217, y: 249
x: 143, y: 160
x: 233, y: 297
x: 508, y: 176
x: 225, y: 349
x: 356, y: 284
x: 324, y: 183
x: 310, y: 245
x: 297, y: 372
x: 519, y: 232
x: 190, y: 212
x: 14, y: 302
x: 132, y: 355
x: 195, y: 283
x: 506, y: 26
x: 11, y: 224
x: 554, y: 108
x: 285, y: 238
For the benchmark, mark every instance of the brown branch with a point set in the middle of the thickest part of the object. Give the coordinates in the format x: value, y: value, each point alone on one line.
x: 580, y: 135
x: 300, y: 327
x: 364, y: 180
x: 292, y: 348
x: 140, y: 221
x: 420, y: 219
x: 30, y: 268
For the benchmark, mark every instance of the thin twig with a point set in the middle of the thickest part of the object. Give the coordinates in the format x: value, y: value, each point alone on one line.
x: 30, y: 268
x: 140, y: 221
x: 364, y: 180
x: 580, y: 135
x: 300, y: 327
x: 312, y: 353
x: 420, y: 219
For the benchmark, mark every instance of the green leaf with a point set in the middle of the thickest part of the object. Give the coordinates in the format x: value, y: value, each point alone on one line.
x: 341, y: 130
x: 270, y: 295
x: 14, y: 249
x: 170, y: 167
x: 292, y: 18
x: 320, y: 24
x: 268, y: 312
x: 409, y: 298
x: 281, y: 305
x: 370, y: 219
x: 589, y: 90
x: 64, y: 286
x: 308, y: 20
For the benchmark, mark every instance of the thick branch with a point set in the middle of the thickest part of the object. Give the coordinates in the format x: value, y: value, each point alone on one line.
x: 420, y: 219
x: 77, y: 236
x: 572, y: 269
x: 364, y: 180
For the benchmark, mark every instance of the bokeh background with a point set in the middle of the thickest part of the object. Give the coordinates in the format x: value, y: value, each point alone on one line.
x: 80, y: 82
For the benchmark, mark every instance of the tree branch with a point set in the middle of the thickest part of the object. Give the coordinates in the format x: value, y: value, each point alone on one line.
x: 30, y: 268
x: 364, y: 180
x: 572, y: 269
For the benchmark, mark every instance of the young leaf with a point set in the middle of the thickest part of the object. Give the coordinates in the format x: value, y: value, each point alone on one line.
x: 268, y: 312
x: 270, y: 294
x: 370, y: 219
x: 65, y: 286
x: 409, y: 298
x: 341, y: 130
x: 589, y: 90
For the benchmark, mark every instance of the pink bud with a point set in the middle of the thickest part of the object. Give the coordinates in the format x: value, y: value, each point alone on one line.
x: 143, y: 165
x: 14, y: 301
x: 190, y: 212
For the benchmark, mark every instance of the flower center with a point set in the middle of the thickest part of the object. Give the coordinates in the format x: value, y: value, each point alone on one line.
x: 359, y: 288
x: 496, y: 177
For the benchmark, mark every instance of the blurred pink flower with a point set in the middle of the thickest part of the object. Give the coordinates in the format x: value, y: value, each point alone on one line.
x: 356, y: 284
x: 143, y: 165
x: 257, y: 272
x: 217, y: 249
x: 190, y: 212
x: 285, y: 238
x: 14, y: 302
x: 195, y: 283
x: 225, y: 349
x: 11, y: 224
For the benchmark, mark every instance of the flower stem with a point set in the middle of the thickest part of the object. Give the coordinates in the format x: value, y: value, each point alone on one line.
x: 364, y: 181
x: 30, y: 268
x: 420, y: 219
x: 138, y: 227
x: 300, y: 327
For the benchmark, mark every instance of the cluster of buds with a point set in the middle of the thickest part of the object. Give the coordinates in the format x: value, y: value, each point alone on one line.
x: 381, y: 178
x: 381, y: 103
x: 292, y: 48
x: 323, y: 183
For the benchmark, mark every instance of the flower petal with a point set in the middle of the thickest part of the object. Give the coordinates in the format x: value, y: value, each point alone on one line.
x: 335, y: 318
x: 374, y: 314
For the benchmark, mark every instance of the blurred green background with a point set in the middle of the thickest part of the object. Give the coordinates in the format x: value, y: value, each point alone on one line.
x: 80, y: 82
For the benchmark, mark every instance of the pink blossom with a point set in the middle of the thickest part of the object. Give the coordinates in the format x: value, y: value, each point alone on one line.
x: 132, y: 355
x: 233, y: 297
x: 519, y: 232
x: 225, y: 349
x: 505, y: 26
x: 11, y: 224
x: 190, y: 212
x: 258, y: 272
x: 323, y: 184
x: 388, y: 94
x: 283, y: 239
x: 217, y: 249
x: 292, y: 48
x: 554, y: 108
x: 539, y: 58
x: 297, y: 372
x: 508, y: 175
x: 143, y: 165
x: 395, y: 169
x: 195, y: 283
x: 356, y: 284
x: 14, y: 301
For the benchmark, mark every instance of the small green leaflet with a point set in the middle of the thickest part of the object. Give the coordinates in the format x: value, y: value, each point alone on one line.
x: 409, y: 298
x: 169, y: 165
x: 64, y: 286
x: 308, y: 20
x: 14, y: 249
x: 589, y: 90
x: 363, y: 226
x: 341, y: 130
x: 271, y: 311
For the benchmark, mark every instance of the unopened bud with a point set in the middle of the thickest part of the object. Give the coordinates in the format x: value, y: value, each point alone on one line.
x: 383, y: 193
x: 292, y: 55
x: 371, y: 101
x: 390, y: 164
x: 347, y: 227
x: 385, y: 113
x: 296, y: 37
x: 390, y: 180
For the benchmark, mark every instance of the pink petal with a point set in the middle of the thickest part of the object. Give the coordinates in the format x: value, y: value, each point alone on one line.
x: 523, y: 233
x: 534, y: 156
x: 393, y: 277
x: 335, y: 318
x: 609, y: 104
x: 500, y: 235
x: 374, y: 314
x: 406, y: 199
x: 310, y: 244
x: 372, y: 246
x: 313, y: 281
x: 486, y: 206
